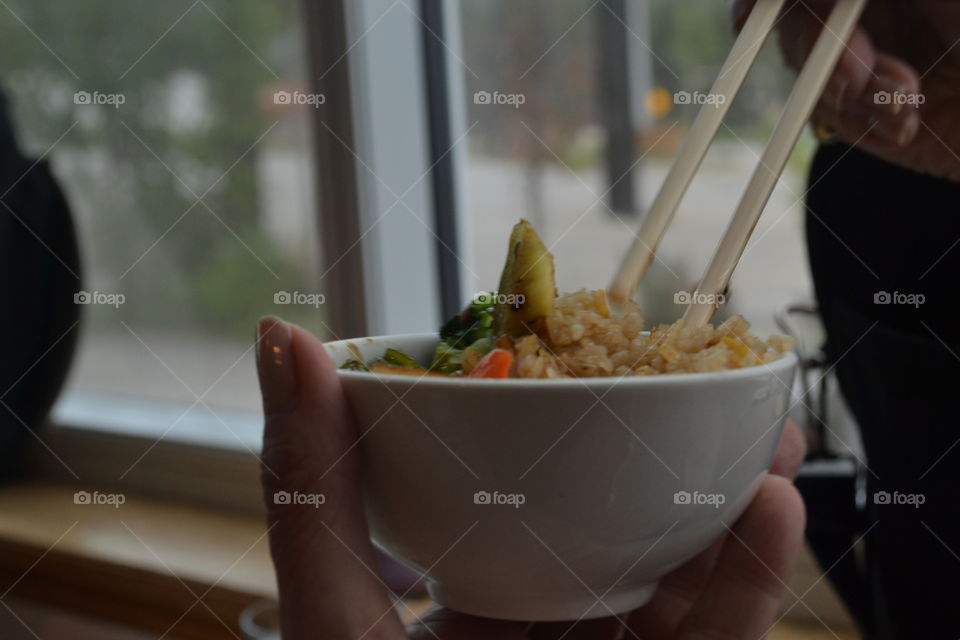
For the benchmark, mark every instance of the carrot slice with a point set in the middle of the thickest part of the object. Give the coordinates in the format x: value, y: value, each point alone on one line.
x: 495, y: 364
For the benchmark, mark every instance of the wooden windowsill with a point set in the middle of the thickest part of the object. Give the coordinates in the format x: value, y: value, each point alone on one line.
x: 143, y: 564
x: 163, y: 537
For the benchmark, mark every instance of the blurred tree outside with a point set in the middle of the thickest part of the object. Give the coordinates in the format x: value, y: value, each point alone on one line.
x: 195, y: 98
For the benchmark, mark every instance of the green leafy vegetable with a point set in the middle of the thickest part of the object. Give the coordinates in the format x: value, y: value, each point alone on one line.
x: 399, y: 358
x: 447, y: 359
x: 472, y: 328
x: 392, y: 357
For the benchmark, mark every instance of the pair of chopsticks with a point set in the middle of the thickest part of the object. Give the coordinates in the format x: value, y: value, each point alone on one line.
x: 806, y: 93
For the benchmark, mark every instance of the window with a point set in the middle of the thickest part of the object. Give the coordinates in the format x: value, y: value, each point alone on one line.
x: 189, y: 137
x: 543, y: 117
x: 179, y: 132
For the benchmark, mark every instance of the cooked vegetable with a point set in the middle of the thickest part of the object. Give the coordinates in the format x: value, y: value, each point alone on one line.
x: 392, y: 358
x: 354, y: 365
x: 527, y: 285
x: 402, y: 371
x: 495, y: 364
x: 471, y: 324
x: 472, y: 328
x: 525, y: 299
x: 447, y: 359
x: 399, y: 358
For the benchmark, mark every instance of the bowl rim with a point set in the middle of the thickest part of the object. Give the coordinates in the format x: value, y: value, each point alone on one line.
x: 776, y: 369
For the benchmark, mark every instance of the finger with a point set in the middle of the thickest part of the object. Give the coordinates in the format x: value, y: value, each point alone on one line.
x: 320, y: 546
x: 854, y: 71
x: 676, y: 593
x: 886, y: 112
x: 893, y: 89
x: 751, y: 571
x: 662, y: 616
x: 885, y: 137
x: 800, y: 29
x: 790, y: 452
x: 444, y: 624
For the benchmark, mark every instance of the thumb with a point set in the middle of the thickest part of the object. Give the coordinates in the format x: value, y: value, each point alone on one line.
x: 318, y: 532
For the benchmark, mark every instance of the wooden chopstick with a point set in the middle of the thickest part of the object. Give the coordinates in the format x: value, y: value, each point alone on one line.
x: 695, y: 147
x: 806, y: 92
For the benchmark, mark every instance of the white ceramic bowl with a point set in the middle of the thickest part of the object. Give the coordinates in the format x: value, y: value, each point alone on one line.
x: 557, y: 499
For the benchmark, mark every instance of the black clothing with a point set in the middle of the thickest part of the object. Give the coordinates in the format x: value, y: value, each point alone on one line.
x: 39, y: 264
x: 884, y: 245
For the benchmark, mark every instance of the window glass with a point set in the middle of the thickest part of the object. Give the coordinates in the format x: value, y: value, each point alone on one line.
x: 179, y: 132
x: 533, y: 72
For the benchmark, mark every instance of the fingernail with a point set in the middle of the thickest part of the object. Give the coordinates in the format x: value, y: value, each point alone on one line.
x: 275, y: 366
x: 898, y: 133
x: 837, y: 91
x: 888, y: 96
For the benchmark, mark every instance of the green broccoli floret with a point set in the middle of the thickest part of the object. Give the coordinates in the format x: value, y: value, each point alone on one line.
x: 472, y: 327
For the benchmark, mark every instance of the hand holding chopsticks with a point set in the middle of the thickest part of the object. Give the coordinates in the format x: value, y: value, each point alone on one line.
x: 806, y: 92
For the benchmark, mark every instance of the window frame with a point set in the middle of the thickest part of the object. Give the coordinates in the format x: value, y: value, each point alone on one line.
x: 360, y: 172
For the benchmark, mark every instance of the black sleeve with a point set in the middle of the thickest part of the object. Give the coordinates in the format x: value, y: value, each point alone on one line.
x: 883, y: 244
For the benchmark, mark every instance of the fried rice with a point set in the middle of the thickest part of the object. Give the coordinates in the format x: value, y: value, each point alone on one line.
x: 583, y: 338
